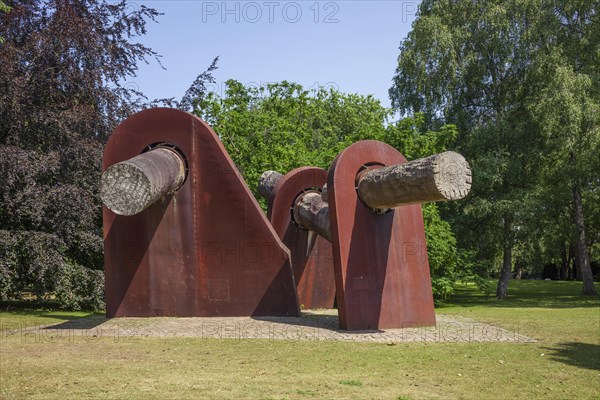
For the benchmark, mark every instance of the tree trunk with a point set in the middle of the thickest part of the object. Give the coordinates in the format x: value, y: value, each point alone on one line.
x: 518, y: 270
x: 501, y: 291
x: 564, y: 269
x: 572, y: 256
x: 583, y: 262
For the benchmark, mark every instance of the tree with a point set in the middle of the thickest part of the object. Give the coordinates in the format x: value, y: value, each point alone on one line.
x: 567, y: 110
x: 3, y: 9
x: 458, y: 65
x: 283, y: 126
x: 564, y: 77
x: 61, y: 94
x: 471, y: 64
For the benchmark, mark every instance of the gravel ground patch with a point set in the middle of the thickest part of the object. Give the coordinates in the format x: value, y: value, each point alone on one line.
x: 315, y: 325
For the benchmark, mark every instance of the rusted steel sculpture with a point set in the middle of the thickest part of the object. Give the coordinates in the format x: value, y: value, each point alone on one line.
x: 312, y: 258
x: 370, y: 211
x: 382, y: 271
x: 183, y: 234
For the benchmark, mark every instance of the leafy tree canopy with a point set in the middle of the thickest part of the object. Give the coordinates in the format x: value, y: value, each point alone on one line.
x: 61, y: 95
x: 521, y: 80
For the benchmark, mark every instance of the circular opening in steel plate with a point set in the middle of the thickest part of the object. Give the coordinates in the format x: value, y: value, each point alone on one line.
x: 304, y: 191
x: 171, y: 146
x: 363, y: 168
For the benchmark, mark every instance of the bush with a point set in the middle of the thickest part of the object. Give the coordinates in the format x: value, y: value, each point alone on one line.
x: 37, y: 262
x: 441, y: 251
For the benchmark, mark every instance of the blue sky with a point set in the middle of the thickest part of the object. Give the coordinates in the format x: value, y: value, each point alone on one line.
x: 351, y: 45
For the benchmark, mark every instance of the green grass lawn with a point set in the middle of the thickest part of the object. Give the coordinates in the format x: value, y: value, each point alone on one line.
x: 564, y: 364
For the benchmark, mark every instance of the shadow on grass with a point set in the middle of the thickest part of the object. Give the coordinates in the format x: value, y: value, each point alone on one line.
x: 89, y: 322
x: 582, y: 355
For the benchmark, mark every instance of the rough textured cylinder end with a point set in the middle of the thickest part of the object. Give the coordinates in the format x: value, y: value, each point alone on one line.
x: 129, y: 187
x: 125, y: 189
x: 267, y: 182
x: 452, y: 175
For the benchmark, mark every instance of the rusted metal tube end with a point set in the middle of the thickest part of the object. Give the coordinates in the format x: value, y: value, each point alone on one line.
x: 440, y: 177
x: 129, y: 187
x: 312, y: 213
x: 267, y: 182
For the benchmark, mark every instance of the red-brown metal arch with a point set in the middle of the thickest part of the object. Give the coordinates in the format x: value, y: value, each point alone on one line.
x: 207, y: 250
x: 312, y: 259
x: 381, y: 267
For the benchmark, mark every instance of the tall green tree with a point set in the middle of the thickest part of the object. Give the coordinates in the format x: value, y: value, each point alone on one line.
x: 472, y: 64
x: 567, y: 109
x: 283, y: 126
x: 61, y: 94
x: 460, y: 65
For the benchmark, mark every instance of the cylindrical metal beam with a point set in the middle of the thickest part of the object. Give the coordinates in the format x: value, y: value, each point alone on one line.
x: 312, y: 213
x: 267, y: 182
x: 129, y: 187
x: 440, y: 177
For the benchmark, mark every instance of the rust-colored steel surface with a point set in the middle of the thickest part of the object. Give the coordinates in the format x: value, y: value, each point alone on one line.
x: 312, y: 258
x: 208, y: 249
x: 381, y: 267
